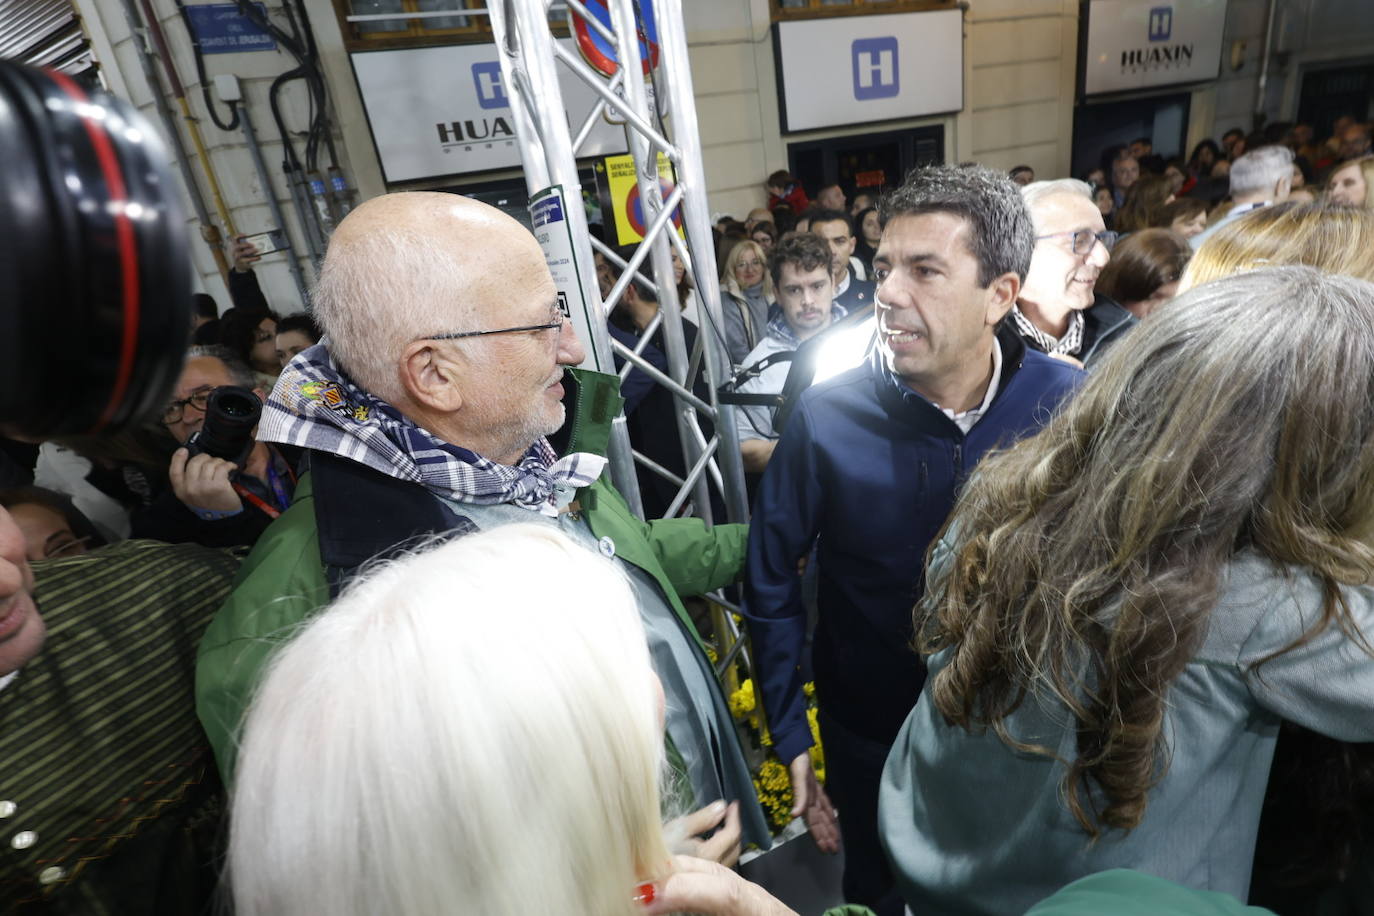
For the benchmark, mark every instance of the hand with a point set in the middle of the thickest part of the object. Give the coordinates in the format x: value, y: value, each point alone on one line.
x: 245, y: 255
x: 696, y: 886
x: 202, y: 482
x: 810, y: 801
x: 724, y: 845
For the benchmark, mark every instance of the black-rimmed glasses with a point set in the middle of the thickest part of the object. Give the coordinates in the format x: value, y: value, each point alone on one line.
x: 557, y: 323
x: 175, y: 410
x: 1084, y: 239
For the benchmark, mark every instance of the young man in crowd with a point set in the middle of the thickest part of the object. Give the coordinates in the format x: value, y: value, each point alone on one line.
x: 805, y: 291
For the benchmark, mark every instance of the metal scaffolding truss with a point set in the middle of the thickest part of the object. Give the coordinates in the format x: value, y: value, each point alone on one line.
x: 659, y: 113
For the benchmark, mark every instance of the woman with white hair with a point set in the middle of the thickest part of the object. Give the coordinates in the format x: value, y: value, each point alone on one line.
x: 473, y: 729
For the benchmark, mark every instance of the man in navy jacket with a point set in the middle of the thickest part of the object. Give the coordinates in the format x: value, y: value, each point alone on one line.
x: 868, y: 470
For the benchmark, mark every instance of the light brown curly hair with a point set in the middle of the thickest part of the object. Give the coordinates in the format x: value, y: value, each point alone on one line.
x: 1083, y: 563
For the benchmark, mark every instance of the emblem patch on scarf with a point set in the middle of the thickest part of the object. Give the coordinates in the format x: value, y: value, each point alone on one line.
x: 333, y: 396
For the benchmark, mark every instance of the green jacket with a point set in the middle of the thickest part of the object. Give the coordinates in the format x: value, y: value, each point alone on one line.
x: 283, y: 583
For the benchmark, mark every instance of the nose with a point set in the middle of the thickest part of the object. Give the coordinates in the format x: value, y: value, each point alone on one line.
x: 13, y: 556
x: 570, y: 352
x: 1100, y: 255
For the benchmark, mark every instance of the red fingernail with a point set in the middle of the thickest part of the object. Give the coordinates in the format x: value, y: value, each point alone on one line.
x: 645, y: 895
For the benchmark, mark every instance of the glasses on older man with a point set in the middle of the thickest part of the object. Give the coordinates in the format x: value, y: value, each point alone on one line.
x: 1085, y: 239
x: 174, y: 411
x: 555, y: 323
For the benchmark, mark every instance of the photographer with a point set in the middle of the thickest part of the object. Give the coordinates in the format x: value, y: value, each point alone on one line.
x: 217, y: 498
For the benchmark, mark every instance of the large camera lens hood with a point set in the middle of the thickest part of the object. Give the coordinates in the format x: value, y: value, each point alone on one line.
x: 95, y: 286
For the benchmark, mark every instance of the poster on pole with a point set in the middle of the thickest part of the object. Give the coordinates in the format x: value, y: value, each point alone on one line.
x: 549, y: 216
x: 618, y: 188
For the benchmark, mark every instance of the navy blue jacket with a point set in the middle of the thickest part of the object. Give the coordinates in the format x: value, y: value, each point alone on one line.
x: 870, y: 470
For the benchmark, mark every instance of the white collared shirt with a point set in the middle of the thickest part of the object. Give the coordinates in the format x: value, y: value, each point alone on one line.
x: 971, y: 416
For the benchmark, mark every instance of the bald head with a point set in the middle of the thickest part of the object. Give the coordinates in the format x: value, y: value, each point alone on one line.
x: 403, y: 266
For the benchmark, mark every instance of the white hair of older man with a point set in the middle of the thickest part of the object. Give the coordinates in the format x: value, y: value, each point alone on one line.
x: 379, y: 292
x: 473, y: 728
x: 1038, y: 191
x: 1261, y: 170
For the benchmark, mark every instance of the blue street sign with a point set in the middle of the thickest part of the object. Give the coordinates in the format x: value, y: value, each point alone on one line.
x: 222, y: 29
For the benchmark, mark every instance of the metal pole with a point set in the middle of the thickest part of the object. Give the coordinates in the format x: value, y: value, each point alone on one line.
x: 1262, y: 85
x: 252, y: 138
x: 528, y: 68
x: 651, y: 200
x: 209, y: 232
x: 672, y: 40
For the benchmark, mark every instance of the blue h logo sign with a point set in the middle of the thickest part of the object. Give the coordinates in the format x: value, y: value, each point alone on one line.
x: 491, y: 92
x: 1161, y: 23
x: 875, y: 68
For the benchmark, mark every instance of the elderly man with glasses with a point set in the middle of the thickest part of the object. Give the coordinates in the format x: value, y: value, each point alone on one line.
x: 214, y: 501
x: 425, y: 411
x: 1057, y: 311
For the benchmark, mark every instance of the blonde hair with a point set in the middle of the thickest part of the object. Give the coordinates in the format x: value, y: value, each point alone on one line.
x: 1085, y: 561
x: 472, y: 728
x: 1331, y: 238
x: 742, y: 248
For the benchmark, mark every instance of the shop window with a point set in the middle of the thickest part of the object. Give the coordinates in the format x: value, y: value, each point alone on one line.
x: 817, y: 9
x: 392, y: 29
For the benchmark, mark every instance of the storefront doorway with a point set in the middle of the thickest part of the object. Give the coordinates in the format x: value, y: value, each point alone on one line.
x: 865, y: 163
x: 1099, y: 126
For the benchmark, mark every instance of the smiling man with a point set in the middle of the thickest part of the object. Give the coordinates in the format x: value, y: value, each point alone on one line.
x: 426, y: 411
x: 1056, y: 311
x: 868, y: 470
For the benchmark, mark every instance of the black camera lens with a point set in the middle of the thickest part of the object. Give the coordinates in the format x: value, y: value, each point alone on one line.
x: 231, y: 413
x: 95, y: 290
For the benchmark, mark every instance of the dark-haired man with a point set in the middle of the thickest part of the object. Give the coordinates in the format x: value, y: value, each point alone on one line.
x: 868, y: 470
x: 836, y: 229
x: 831, y: 197
x: 805, y: 292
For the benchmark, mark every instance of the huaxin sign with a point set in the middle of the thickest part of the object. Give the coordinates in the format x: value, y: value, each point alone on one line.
x: 446, y: 111
x: 1137, y: 44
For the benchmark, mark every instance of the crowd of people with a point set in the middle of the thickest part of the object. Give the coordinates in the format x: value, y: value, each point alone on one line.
x: 1077, y: 550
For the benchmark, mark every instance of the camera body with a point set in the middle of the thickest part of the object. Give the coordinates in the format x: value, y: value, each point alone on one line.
x: 231, y: 415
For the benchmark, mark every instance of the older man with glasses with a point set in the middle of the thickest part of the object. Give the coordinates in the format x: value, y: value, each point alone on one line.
x: 215, y: 501
x: 1057, y: 311
x: 425, y: 411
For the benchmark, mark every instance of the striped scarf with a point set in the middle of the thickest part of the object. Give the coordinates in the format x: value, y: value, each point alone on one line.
x: 315, y: 406
x: 1068, y: 345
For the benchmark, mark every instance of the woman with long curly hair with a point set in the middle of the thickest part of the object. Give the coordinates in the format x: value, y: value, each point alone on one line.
x: 1124, y: 608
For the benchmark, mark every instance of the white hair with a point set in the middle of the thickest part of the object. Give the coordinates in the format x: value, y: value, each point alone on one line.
x: 1037, y: 191
x: 1260, y: 170
x: 470, y: 729
x: 381, y: 290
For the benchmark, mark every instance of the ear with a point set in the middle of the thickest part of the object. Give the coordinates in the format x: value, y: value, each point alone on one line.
x: 429, y: 377
x: 1284, y: 187
x: 1001, y: 296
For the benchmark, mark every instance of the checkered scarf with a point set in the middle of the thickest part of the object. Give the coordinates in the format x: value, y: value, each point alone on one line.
x: 1069, y: 344
x: 315, y: 406
x: 779, y: 328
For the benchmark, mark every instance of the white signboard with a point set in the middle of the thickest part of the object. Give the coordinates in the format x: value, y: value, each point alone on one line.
x: 549, y: 216
x: 445, y: 111
x: 1138, y: 44
x: 860, y: 69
